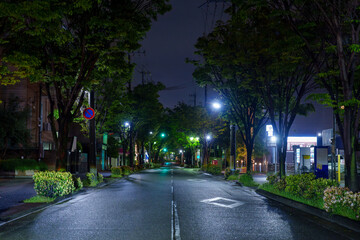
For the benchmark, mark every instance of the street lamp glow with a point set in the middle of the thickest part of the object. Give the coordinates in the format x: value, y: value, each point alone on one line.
x: 208, y: 137
x: 165, y: 149
x: 197, y: 139
x: 181, y: 151
x: 151, y: 132
x: 319, y: 134
x: 163, y: 135
x: 273, y: 139
x: 191, y: 138
x: 127, y: 124
x: 216, y: 105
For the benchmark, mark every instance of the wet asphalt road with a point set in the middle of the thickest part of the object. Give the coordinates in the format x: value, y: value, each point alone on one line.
x: 15, y: 190
x: 168, y: 204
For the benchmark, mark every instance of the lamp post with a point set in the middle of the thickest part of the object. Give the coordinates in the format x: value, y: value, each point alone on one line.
x: 124, y: 137
x: 150, y: 147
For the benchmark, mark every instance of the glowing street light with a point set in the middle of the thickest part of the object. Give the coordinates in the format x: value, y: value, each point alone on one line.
x: 127, y: 124
x: 191, y: 138
x: 216, y: 105
x: 162, y: 135
x: 208, y: 137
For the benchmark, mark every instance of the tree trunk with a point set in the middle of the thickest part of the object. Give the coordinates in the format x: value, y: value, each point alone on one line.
x: 61, y: 154
x: 131, y: 149
x: 249, y: 151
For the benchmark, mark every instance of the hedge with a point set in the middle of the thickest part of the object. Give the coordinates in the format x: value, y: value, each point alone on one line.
x: 53, y: 184
x: 22, y: 165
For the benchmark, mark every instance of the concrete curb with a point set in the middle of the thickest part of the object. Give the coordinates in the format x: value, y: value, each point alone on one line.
x: 340, y: 220
x: 30, y: 208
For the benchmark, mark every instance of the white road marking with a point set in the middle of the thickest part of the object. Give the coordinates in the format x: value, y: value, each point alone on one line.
x: 196, y: 180
x: 232, y: 203
x: 172, y: 219
x: 177, y: 225
x: 208, y: 174
x: 172, y: 189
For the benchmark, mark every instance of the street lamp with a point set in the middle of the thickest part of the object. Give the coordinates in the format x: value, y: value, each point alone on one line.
x: 124, y: 127
x: 150, y: 147
x: 216, y: 105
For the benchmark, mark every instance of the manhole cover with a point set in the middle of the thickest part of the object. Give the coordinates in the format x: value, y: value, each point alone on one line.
x: 223, y: 202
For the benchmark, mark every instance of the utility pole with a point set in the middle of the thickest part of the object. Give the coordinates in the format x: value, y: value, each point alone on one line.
x: 92, y: 154
x: 233, y: 145
x: 40, y: 122
x: 205, y: 95
x: 333, y: 148
x: 194, y: 96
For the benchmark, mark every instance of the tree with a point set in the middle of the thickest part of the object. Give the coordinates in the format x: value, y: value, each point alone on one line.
x: 330, y: 29
x: 222, y: 69
x: 72, y: 42
x: 281, y: 74
x: 189, y: 126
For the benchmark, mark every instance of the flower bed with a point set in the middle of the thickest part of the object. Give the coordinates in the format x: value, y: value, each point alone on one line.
x: 342, y: 201
x: 321, y: 193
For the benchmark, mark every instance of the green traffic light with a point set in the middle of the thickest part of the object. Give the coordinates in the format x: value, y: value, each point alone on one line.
x: 163, y: 135
x: 165, y: 149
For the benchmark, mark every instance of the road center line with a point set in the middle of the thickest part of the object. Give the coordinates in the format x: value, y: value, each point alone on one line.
x: 176, y: 223
x: 172, y: 220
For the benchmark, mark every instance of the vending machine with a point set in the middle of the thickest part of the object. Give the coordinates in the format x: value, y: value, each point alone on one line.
x: 321, y: 162
x: 311, y: 159
x: 303, y: 162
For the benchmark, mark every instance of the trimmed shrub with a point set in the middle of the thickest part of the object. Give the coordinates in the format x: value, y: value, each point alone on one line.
x: 116, y: 171
x: 156, y: 165
x: 204, y: 167
x: 53, y: 184
x: 138, y: 168
x: 91, y: 180
x: 227, y: 172
x: 126, y: 170
x: 280, y: 184
x: 77, y: 183
x: 213, y: 169
x: 233, y: 177
x: 305, y: 185
x: 22, y: 164
x: 100, y: 178
x: 272, y: 179
x: 317, y: 187
x: 247, y: 180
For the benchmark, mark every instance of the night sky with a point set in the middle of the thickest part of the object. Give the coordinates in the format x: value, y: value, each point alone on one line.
x: 171, y: 40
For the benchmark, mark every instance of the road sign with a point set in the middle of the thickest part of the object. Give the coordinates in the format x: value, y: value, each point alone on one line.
x: 89, y: 113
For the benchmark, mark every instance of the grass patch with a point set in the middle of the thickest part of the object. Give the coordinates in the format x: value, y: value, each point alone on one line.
x: 247, y: 180
x: 116, y: 176
x: 318, y: 203
x: 345, y: 212
x: 39, y: 199
x: 233, y: 177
